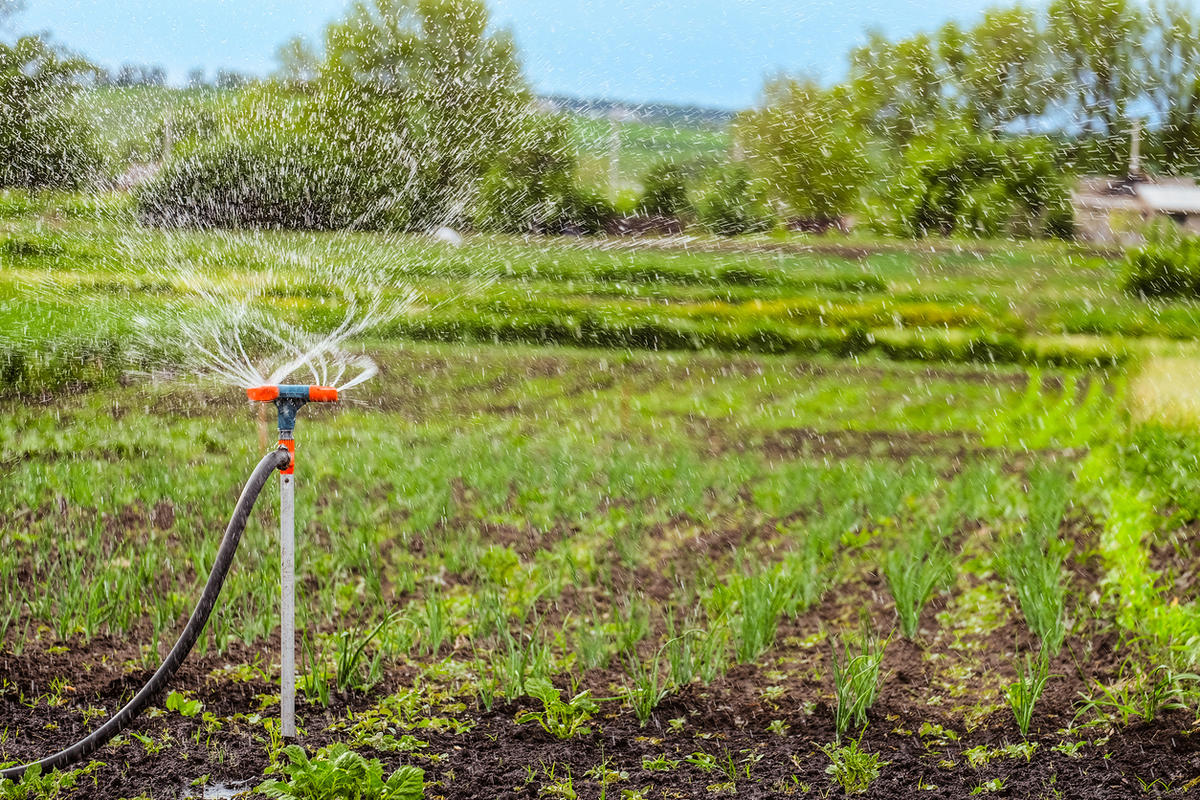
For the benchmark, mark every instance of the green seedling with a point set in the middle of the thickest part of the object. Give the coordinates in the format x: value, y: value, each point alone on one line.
x: 915, y: 570
x: 1143, y: 695
x: 852, y: 768
x: 556, y: 785
x: 351, y: 645
x: 185, y: 706
x: 1023, y: 693
x: 760, y: 599
x: 562, y: 719
x: 659, y: 763
x: 856, y: 679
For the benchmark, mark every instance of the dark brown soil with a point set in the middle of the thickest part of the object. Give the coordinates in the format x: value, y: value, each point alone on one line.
x: 730, y: 718
x: 771, y: 718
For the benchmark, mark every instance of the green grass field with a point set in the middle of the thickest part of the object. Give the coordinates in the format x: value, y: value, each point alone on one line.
x: 74, y: 274
x: 640, y: 147
x: 673, y: 475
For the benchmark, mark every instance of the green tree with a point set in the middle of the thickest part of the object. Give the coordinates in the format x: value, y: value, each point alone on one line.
x: 400, y: 119
x: 998, y: 68
x: 43, y: 143
x: 431, y: 74
x: 299, y: 63
x: 1173, y: 84
x: 1098, y: 51
x: 804, y: 147
x: 898, y: 88
x: 530, y: 187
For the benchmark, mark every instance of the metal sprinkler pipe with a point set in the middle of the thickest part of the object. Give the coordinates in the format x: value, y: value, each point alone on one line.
x: 288, y: 399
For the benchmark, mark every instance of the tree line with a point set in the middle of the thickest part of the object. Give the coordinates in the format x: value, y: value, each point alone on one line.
x: 414, y: 113
x: 974, y: 128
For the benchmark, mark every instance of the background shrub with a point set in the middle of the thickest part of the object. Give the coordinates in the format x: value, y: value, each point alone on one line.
x: 43, y: 142
x: 959, y: 183
x: 727, y: 203
x: 282, y: 163
x: 665, y: 190
x: 530, y: 187
x: 1164, y: 267
x: 412, y: 104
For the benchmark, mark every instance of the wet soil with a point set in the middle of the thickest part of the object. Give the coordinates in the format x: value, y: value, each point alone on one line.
x: 730, y: 719
x: 940, y: 724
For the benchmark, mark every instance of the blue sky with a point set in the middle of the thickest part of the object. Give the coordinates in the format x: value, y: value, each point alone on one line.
x: 710, y: 52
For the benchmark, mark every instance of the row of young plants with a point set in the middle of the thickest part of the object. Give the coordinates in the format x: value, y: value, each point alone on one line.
x: 735, y: 620
x: 584, y: 324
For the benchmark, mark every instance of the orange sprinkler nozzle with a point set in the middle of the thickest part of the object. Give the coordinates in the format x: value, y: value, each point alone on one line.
x: 322, y: 394
x: 305, y: 394
x: 288, y: 398
x: 263, y: 394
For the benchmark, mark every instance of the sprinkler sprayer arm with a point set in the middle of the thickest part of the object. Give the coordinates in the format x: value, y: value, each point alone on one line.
x: 288, y: 398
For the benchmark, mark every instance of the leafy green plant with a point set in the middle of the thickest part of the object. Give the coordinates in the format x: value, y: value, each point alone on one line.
x: 632, y: 625
x: 659, y: 763
x: 563, y: 719
x: 187, y: 707
x: 594, y: 643
x: 803, y: 143
x: 1023, y: 693
x: 856, y: 678
x: 851, y: 767
x: 45, y: 143
x: 338, y: 771
x: 36, y: 785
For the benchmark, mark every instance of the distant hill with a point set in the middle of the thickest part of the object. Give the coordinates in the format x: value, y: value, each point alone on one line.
x: 650, y: 113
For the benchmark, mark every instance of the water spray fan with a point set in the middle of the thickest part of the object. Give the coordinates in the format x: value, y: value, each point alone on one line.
x: 288, y: 399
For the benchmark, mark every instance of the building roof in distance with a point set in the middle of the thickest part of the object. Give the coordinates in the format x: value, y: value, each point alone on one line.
x: 1173, y: 198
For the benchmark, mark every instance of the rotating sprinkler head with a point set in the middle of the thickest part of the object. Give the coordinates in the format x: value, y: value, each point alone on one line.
x: 288, y: 398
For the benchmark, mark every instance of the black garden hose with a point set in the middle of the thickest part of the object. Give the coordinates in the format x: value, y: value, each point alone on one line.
x: 271, y: 462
